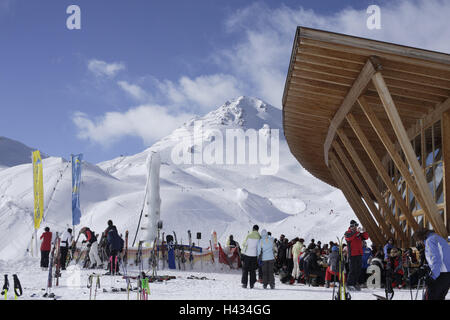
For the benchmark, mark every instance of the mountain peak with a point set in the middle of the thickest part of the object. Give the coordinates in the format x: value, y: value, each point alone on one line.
x: 13, y: 153
x: 242, y: 112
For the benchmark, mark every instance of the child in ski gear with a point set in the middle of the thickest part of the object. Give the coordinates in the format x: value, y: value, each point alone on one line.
x: 46, y: 246
x: 354, y: 237
x: 333, y: 266
x: 266, y: 249
x: 249, y: 256
x: 437, y: 254
x: 66, y: 240
x: 91, y: 239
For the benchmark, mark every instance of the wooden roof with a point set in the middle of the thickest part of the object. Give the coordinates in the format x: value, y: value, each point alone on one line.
x: 324, y: 67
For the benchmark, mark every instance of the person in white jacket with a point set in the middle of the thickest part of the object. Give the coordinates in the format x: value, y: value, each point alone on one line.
x: 249, y: 255
x: 296, y: 252
x: 66, y: 242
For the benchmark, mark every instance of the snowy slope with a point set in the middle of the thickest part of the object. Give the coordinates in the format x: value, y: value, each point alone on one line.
x: 13, y: 153
x: 226, y: 198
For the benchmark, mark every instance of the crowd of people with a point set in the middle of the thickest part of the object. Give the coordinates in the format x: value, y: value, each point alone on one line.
x: 318, y: 264
x: 314, y: 264
x: 106, y: 251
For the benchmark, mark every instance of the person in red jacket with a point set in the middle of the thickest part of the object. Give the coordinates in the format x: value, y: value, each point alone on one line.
x: 354, y: 237
x: 46, y: 246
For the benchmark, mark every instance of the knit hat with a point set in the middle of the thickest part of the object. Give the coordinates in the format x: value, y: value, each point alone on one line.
x: 353, y: 223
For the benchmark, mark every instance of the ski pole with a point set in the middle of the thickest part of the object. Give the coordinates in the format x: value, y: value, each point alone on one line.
x: 5, y: 287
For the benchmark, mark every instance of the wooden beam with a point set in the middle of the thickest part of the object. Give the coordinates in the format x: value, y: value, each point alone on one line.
x: 382, y: 171
x: 390, y: 147
x: 394, y: 52
x: 354, y: 200
x: 370, y: 182
x: 362, y: 189
x: 357, y: 89
x: 446, y: 157
x: 431, y: 210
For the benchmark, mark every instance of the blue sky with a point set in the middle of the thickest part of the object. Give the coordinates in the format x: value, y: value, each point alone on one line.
x: 138, y: 69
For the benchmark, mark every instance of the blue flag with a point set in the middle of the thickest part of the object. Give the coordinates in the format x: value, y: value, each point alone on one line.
x: 76, y: 180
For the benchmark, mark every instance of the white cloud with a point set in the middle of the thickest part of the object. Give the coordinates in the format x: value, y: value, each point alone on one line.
x: 205, y: 91
x: 103, y: 69
x: 134, y: 91
x: 143, y: 122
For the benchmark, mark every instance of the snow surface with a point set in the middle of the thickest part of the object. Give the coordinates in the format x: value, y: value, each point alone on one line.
x: 221, y: 284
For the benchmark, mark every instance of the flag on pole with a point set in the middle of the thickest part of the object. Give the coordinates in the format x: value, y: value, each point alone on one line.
x: 76, y: 180
x: 38, y: 188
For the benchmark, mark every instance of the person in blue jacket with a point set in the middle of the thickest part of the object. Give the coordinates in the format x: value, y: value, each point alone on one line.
x: 437, y: 255
x: 266, y: 248
x: 115, y: 244
x: 387, y: 248
x: 367, y: 254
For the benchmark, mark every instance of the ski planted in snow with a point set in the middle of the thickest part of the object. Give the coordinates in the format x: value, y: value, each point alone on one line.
x: 191, y: 256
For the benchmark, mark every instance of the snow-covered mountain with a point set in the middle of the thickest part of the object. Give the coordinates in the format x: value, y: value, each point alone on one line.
x: 195, y: 196
x: 13, y: 153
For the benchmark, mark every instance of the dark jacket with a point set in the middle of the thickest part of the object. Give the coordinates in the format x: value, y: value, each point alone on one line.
x: 90, y: 236
x: 333, y: 261
x: 113, y: 238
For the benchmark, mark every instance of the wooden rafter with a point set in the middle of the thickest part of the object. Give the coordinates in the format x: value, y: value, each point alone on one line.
x: 362, y: 189
x: 390, y: 147
x: 382, y: 171
x: 370, y: 182
x: 358, y: 87
x: 355, y: 201
x: 431, y: 210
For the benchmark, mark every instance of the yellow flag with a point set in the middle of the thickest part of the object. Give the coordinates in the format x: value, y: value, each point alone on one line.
x: 38, y: 187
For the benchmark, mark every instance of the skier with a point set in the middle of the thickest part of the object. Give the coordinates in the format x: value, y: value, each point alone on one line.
x: 386, y: 249
x: 437, y: 254
x: 395, y: 268
x: 93, y: 247
x: 296, y: 252
x: 354, y: 237
x: 367, y: 254
x: 66, y: 240
x: 333, y: 266
x: 266, y: 248
x: 249, y: 257
x: 115, y: 246
x: 231, y: 243
x: 46, y: 246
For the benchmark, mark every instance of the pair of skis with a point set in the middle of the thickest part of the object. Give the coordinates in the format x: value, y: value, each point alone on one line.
x: 342, y: 293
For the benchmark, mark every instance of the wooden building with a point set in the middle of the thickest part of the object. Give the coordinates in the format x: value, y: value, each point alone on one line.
x: 373, y: 119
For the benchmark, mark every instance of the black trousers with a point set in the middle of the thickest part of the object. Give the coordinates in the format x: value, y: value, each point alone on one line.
x: 44, y: 259
x: 267, y: 273
x: 113, y: 266
x: 439, y: 288
x: 249, y: 266
x: 62, y: 261
x: 355, y: 266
